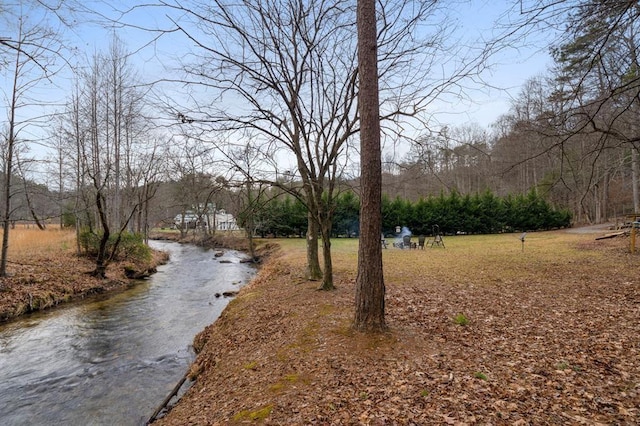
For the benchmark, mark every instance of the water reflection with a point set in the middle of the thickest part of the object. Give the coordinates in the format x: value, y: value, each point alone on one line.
x: 113, y: 361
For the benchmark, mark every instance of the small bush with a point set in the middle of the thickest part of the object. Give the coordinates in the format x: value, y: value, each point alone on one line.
x: 130, y: 247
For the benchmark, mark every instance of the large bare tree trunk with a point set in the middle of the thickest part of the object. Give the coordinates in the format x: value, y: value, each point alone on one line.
x: 370, y: 290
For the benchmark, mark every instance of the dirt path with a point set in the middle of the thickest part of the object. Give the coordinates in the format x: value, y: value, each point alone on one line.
x: 601, y: 228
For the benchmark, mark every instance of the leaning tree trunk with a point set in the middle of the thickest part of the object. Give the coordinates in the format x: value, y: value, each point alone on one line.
x: 32, y: 211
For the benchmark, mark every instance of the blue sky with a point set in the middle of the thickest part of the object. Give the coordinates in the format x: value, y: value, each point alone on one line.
x: 509, y: 69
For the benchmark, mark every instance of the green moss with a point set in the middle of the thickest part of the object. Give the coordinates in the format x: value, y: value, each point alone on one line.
x: 461, y: 319
x: 260, y: 414
x: 277, y: 387
x: 251, y: 366
x: 291, y: 378
x: 480, y: 376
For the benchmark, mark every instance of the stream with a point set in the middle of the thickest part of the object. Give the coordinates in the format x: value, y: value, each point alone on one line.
x: 113, y: 361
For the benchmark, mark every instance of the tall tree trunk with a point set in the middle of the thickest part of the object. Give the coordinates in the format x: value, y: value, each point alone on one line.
x: 250, y: 225
x: 8, y: 168
x: 79, y: 177
x: 370, y: 290
x: 634, y: 180
x: 605, y: 196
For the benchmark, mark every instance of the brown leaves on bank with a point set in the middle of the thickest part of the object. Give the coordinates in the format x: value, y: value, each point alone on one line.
x: 483, y: 332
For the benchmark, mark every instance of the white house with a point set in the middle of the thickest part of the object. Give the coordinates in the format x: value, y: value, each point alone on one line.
x: 220, y: 221
x: 225, y: 221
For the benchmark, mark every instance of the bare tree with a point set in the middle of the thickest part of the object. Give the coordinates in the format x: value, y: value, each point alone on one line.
x: 104, y: 123
x: 245, y: 160
x: 285, y: 71
x: 32, y: 50
x: 593, y: 107
x: 456, y: 158
x: 145, y: 169
x: 192, y: 166
x: 299, y: 87
x: 74, y: 131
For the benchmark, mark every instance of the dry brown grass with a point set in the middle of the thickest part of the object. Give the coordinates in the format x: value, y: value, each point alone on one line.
x: 32, y: 242
x: 475, y: 258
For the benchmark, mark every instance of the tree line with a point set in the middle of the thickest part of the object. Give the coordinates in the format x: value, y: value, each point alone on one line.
x: 451, y: 214
x: 571, y: 132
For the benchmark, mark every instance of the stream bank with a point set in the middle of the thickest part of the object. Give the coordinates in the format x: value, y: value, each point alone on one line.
x: 112, y: 360
x: 50, y: 279
x: 551, y: 339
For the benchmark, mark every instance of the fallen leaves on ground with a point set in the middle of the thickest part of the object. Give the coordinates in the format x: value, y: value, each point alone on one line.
x: 550, y: 337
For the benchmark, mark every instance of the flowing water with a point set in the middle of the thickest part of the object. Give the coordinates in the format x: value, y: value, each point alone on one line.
x: 112, y: 362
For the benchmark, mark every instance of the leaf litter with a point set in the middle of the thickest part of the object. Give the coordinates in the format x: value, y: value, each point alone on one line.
x: 550, y: 337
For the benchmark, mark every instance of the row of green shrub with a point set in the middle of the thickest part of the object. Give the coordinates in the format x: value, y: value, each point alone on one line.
x: 474, y: 214
x: 449, y: 214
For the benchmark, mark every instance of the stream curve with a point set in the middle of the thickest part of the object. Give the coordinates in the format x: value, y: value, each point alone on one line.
x: 113, y: 361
